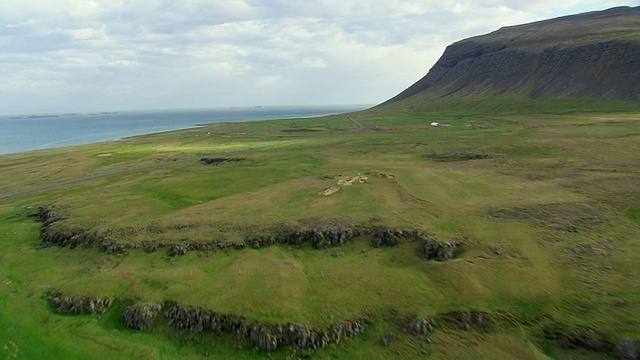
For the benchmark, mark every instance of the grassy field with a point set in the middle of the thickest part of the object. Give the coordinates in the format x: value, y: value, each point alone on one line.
x: 544, y: 198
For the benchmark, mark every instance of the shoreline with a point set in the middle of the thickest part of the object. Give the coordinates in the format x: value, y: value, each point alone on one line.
x: 162, y: 120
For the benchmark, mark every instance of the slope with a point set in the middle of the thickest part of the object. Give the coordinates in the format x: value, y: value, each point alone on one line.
x: 591, y: 55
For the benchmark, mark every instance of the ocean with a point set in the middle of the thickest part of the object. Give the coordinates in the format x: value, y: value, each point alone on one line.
x: 34, y: 132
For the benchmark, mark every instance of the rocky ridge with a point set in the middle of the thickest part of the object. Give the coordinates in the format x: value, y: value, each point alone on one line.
x: 262, y: 335
x: 77, y: 305
x: 55, y: 232
x: 219, y: 160
x: 188, y: 321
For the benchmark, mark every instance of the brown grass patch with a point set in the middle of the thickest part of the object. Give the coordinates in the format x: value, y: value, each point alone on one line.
x: 567, y: 216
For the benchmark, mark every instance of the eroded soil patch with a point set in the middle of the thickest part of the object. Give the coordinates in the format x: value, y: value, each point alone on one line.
x: 345, y: 180
x: 330, y: 190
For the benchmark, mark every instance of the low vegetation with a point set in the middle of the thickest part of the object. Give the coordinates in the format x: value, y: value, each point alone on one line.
x: 512, y: 233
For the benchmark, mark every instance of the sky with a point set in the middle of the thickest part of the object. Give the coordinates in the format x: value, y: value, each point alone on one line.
x: 114, y: 55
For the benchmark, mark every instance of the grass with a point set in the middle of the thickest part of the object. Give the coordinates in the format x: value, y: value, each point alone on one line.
x: 553, y: 165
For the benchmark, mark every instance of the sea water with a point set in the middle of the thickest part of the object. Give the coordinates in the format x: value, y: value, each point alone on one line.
x: 34, y: 132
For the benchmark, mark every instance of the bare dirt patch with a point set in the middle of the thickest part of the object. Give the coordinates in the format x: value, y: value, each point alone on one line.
x: 348, y: 181
x: 342, y: 180
x: 329, y: 191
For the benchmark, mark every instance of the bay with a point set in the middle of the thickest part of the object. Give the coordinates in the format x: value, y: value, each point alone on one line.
x: 45, y: 131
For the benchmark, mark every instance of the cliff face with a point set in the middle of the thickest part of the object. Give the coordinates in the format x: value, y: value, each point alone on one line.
x: 591, y: 55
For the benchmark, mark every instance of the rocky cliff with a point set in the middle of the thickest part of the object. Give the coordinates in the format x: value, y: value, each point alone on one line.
x: 590, y: 55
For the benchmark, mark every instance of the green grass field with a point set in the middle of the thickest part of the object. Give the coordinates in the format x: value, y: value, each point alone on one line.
x: 548, y: 218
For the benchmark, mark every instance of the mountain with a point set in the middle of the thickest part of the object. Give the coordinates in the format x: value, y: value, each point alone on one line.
x: 591, y: 55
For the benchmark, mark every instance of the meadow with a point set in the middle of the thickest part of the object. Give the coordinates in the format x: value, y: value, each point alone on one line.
x: 541, y: 197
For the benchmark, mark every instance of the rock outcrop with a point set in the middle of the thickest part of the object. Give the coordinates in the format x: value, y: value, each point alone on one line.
x: 188, y: 321
x: 263, y: 335
x: 417, y: 326
x: 590, y: 55
x: 389, y: 237
x: 77, y: 305
x: 192, y: 320
x: 54, y: 232
x: 50, y: 214
x: 319, y: 237
x: 323, y: 236
x: 461, y: 155
x: 185, y: 246
x: 386, y: 237
x: 466, y: 319
x: 219, y: 160
x: 433, y: 250
x: 141, y: 317
x: 63, y: 235
x: 581, y: 337
x: 627, y: 349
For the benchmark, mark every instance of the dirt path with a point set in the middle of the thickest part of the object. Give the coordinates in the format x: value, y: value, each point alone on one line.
x: 356, y: 123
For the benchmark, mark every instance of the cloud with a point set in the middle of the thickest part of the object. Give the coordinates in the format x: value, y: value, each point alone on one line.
x: 29, y: 22
x: 76, y: 55
x: 313, y: 63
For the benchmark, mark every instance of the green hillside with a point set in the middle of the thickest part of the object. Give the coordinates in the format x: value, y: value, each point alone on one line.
x: 542, y: 207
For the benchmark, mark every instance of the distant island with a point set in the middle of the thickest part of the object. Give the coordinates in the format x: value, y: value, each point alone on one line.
x: 34, y: 116
x: 59, y: 115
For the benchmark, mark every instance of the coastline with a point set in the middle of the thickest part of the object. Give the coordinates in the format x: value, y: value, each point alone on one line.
x: 25, y: 133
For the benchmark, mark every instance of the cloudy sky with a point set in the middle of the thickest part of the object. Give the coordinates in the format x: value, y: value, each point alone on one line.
x: 109, y: 55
